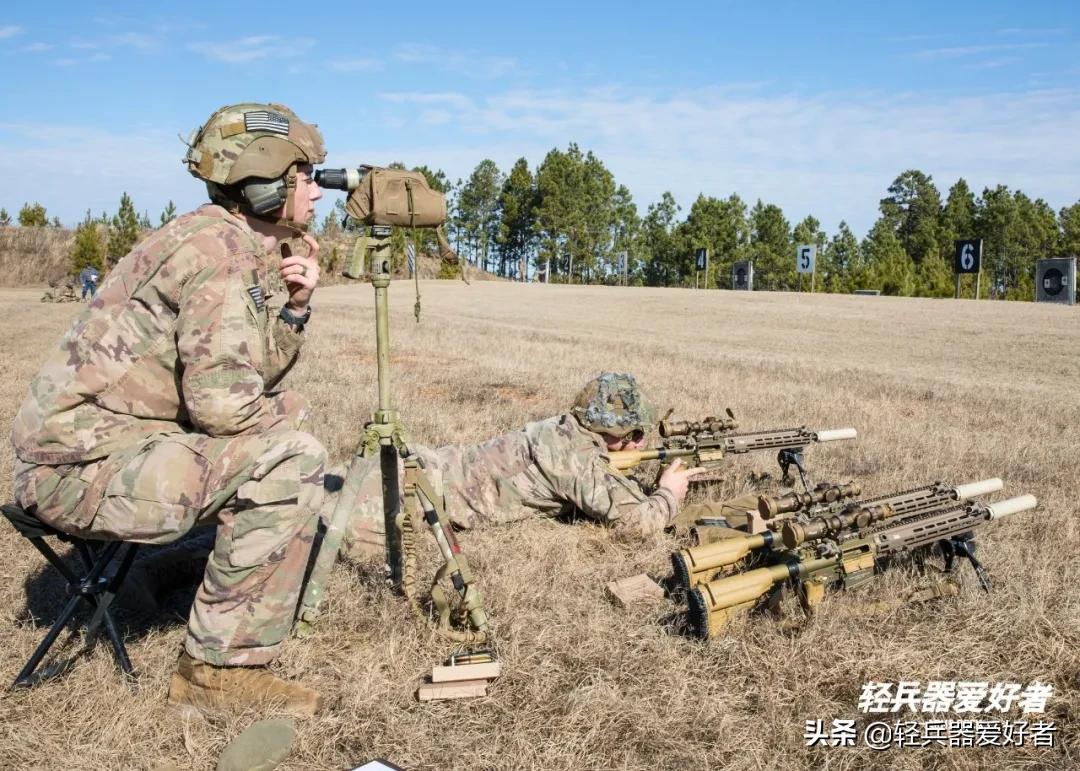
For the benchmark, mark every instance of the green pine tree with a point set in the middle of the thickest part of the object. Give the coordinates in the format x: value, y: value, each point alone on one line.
x: 840, y: 261
x: 516, y: 236
x: 913, y: 210
x: 958, y: 223
x: 168, y: 214
x: 934, y: 277
x: 32, y: 215
x: 889, y: 267
x: 5, y: 218
x: 1069, y: 219
x: 88, y: 249
x: 124, y: 231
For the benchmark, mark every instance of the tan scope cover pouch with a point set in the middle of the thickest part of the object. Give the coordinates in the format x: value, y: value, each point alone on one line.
x: 396, y: 197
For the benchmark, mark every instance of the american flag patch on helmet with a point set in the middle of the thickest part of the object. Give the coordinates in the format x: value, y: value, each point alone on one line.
x: 256, y: 293
x: 264, y: 120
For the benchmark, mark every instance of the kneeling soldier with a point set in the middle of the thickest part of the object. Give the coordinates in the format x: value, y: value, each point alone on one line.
x: 156, y: 412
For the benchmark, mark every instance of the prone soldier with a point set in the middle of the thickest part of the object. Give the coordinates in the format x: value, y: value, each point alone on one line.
x: 550, y: 467
x: 157, y: 412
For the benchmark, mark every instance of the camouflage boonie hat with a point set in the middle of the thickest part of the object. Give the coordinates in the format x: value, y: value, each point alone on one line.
x: 252, y: 140
x: 612, y: 403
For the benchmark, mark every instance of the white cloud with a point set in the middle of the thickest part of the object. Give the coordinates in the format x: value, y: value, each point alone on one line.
x: 957, y: 52
x: 468, y: 63
x: 38, y: 47
x: 1032, y: 31
x: 832, y: 155
x: 10, y: 30
x: 355, y: 65
x: 446, y: 98
x: 140, y: 41
x: 252, y: 48
x: 993, y: 64
x: 74, y: 61
x: 69, y: 168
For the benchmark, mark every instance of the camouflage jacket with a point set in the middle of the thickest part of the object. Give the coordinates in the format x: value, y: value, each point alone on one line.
x: 553, y: 466
x: 179, y: 338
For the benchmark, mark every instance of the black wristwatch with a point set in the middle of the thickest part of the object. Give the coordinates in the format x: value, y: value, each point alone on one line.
x: 294, y: 321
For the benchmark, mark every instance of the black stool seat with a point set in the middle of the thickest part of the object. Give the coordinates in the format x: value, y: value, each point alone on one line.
x: 97, y: 586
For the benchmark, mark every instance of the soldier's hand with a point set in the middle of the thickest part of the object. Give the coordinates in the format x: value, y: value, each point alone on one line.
x: 676, y: 479
x: 300, y: 274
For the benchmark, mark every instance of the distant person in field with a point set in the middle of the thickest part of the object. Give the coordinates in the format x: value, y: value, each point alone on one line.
x: 89, y: 277
x: 157, y: 411
x: 552, y: 467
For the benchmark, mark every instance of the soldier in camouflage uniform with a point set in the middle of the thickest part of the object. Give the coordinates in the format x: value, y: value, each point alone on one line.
x: 550, y: 467
x: 158, y: 410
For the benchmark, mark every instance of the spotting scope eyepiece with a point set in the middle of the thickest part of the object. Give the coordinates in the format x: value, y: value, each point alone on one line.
x: 340, y: 179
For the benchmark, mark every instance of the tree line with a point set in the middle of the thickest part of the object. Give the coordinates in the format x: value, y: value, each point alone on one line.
x: 99, y: 241
x: 569, y: 221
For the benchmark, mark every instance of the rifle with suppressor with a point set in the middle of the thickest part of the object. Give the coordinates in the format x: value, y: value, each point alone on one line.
x: 711, y: 442
x: 824, y: 561
x: 701, y: 564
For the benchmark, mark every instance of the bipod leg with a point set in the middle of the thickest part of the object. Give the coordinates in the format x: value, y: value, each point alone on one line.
x: 787, y: 458
x: 965, y: 547
x: 455, y: 566
x: 948, y: 551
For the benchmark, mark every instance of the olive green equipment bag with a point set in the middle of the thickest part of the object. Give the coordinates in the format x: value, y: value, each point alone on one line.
x: 396, y: 197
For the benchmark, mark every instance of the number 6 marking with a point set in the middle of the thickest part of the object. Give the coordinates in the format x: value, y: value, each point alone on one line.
x: 967, y: 257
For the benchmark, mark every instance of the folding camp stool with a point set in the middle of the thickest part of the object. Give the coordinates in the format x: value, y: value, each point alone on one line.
x: 96, y: 586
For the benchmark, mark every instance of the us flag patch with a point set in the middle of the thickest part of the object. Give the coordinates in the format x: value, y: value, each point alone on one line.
x: 256, y: 293
x: 264, y: 120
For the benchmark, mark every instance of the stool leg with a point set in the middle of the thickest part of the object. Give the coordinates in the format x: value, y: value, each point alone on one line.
x: 103, y: 613
x: 103, y: 600
x: 118, y: 645
x: 39, y: 653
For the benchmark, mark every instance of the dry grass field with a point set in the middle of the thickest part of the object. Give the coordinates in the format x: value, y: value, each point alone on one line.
x: 952, y: 390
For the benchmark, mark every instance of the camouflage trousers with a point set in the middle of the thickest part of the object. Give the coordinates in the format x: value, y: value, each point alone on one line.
x: 471, y: 489
x: 264, y: 491
x: 365, y: 532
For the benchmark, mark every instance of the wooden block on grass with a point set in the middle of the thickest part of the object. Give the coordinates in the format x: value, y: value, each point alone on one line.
x: 462, y: 689
x: 488, y: 671
x: 633, y: 590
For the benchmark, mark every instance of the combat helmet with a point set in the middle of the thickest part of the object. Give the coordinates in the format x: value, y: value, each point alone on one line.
x: 247, y: 155
x: 612, y: 403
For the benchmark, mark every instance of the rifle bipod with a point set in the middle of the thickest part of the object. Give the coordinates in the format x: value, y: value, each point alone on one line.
x: 421, y: 498
x: 964, y: 546
x: 788, y: 457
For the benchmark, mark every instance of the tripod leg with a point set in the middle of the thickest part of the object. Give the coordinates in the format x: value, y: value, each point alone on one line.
x: 391, y: 488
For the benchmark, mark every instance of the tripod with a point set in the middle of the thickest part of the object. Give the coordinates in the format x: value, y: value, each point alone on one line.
x: 385, y: 435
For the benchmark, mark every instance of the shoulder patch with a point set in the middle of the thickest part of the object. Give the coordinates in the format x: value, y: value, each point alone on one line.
x: 256, y: 293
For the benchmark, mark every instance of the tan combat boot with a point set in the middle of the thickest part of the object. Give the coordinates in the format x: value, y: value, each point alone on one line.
x: 202, y: 687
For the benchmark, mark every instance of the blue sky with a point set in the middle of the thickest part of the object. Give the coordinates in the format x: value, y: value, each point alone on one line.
x: 813, y: 106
